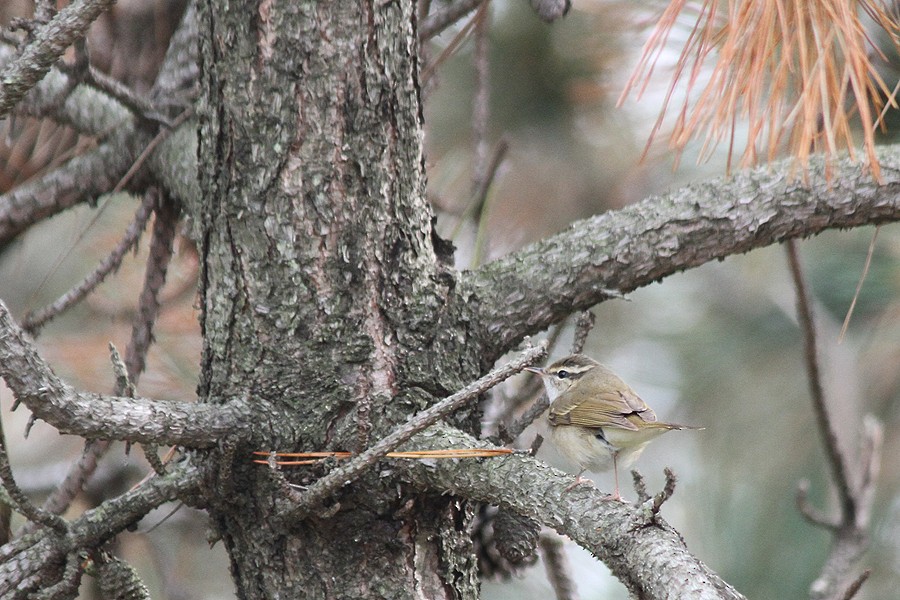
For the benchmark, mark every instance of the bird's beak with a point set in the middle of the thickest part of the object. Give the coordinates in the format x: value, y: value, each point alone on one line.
x: 536, y: 370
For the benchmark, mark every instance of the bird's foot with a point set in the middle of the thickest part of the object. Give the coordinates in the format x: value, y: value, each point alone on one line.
x: 578, y: 481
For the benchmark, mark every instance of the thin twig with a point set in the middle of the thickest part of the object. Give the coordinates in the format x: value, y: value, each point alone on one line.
x: 129, y: 372
x: 640, y: 486
x: 20, y: 501
x: 859, y: 285
x: 156, y: 463
x: 480, y: 204
x: 850, y: 530
x: 62, y: 496
x: 558, y: 571
x: 95, y: 526
x: 438, y: 21
x: 810, y: 512
x: 481, y: 100
x: 855, y: 585
x: 870, y: 459
x: 124, y: 386
x: 489, y: 176
x: 159, y: 138
x: 37, y: 319
x: 80, y: 179
x: 447, y: 52
x: 836, y: 458
x: 34, y: 383
x: 530, y: 415
x: 161, y: 248
x: 346, y: 474
x: 583, y: 326
x: 139, y: 106
x: 667, y: 492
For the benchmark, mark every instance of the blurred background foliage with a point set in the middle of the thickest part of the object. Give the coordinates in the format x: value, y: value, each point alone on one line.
x: 718, y: 346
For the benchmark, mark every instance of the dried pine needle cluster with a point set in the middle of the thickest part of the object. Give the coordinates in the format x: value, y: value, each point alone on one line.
x: 797, y: 71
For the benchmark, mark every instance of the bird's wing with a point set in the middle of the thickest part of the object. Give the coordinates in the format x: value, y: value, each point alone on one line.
x: 609, y: 409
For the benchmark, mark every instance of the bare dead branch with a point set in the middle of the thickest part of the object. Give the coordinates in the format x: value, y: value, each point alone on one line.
x: 558, y: 572
x: 667, y: 492
x: 62, y: 496
x: 345, y: 474
x: 837, y: 459
x: 870, y: 460
x: 82, y: 108
x: 145, y: 154
x: 22, y: 565
x: 95, y: 416
x: 79, y: 472
x: 161, y: 247
x: 488, y: 177
x: 640, y: 486
x: 850, y: 529
x: 156, y: 463
x: 48, y: 44
x: 448, y: 51
x: 583, y: 326
x: 33, y: 322
x: 124, y: 386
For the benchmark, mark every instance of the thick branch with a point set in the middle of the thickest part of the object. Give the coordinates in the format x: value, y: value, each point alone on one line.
x: 625, y: 249
x: 81, y: 179
x: 649, y: 558
x: 83, y: 108
x: 96, y: 416
x: 49, y: 43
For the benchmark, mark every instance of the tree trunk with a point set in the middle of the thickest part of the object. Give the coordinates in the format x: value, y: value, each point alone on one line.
x: 320, y: 289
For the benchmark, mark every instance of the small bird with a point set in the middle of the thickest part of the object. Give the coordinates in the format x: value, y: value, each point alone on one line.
x: 596, y: 419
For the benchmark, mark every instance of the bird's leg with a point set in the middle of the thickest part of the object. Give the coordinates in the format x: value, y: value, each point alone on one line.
x: 616, y: 495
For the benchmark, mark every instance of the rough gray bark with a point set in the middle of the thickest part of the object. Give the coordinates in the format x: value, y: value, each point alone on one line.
x: 629, y: 248
x: 641, y: 549
x: 320, y: 287
x: 330, y: 316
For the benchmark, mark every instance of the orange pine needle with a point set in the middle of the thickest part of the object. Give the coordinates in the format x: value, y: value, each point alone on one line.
x: 314, y: 457
x: 796, y: 72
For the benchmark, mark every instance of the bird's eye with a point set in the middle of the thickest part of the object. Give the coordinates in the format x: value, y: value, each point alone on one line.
x: 562, y: 374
